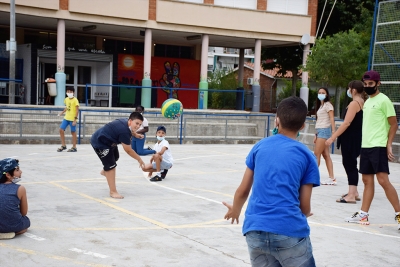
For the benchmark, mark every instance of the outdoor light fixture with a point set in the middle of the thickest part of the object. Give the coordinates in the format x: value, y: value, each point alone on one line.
x: 193, y: 37
x: 89, y: 28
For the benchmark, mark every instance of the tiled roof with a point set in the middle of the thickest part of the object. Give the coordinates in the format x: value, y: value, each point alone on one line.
x: 271, y: 73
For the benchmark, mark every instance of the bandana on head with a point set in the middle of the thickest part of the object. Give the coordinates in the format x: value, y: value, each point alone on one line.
x: 7, y: 165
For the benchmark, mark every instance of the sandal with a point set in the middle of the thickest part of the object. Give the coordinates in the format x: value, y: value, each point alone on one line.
x: 72, y: 149
x: 61, y: 148
x: 357, y: 198
x: 156, y: 179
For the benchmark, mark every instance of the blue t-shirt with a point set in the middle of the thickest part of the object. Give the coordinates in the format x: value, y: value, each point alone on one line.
x: 112, y: 134
x: 280, y: 165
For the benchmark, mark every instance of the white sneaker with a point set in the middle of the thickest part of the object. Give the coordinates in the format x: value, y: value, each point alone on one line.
x: 357, y: 218
x: 7, y: 235
x: 330, y: 181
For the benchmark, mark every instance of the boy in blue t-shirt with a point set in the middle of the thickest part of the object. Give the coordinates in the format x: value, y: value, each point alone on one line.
x: 105, y: 140
x: 281, y: 173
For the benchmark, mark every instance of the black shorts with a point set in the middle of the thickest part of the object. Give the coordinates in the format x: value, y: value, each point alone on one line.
x: 374, y: 160
x: 108, y: 157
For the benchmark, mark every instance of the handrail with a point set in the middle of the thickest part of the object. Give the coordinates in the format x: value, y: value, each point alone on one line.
x: 12, y: 80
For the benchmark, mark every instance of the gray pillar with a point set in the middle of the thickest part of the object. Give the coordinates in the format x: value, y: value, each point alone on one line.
x: 304, y: 90
x: 12, y: 46
x: 240, y: 89
x: 256, y: 79
x: 241, y: 67
x: 60, y: 74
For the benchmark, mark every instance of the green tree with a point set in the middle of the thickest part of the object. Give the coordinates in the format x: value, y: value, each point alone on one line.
x: 345, y: 15
x: 287, y: 91
x: 221, y: 80
x: 338, y: 59
x: 285, y: 59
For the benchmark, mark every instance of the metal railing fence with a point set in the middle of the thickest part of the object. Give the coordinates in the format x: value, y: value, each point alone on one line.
x: 43, y: 123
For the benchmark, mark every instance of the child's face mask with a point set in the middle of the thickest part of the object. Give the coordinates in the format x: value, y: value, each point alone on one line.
x: 70, y: 95
x: 160, y: 138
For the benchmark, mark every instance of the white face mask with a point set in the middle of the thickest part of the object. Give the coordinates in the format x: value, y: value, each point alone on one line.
x: 321, y: 96
x: 70, y: 95
x: 160, y: 138
x: 349, y: 93
x: 16, y: 180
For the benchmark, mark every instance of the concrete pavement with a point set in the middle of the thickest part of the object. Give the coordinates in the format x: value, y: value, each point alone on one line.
x: 176, y: 222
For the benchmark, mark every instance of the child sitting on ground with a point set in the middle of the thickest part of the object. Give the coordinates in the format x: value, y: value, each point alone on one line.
x: 162, y: 160
x: 13, y: 201
x: 281, y: 172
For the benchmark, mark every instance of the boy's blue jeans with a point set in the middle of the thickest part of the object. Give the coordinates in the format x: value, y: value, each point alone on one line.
x: 138, y: 144
x: 272, y: 250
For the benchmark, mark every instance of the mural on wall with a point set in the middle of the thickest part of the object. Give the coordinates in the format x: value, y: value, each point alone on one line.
x: 170, y: 79
x: 167, y: 74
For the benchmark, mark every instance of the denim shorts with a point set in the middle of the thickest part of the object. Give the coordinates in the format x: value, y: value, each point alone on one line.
x: 324, y: 132
x: 273, y: 250
x: 65, y: 123
x: 164, y: 165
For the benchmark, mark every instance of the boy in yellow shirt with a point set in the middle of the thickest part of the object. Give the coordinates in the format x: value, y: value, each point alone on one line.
x: 71, y: 111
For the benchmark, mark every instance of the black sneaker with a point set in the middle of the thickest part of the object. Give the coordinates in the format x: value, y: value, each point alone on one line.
x: 149, y: 148
x: 156, y: 179
x: 164, y: 173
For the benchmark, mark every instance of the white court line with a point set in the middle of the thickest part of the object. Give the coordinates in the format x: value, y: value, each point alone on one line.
x: 354, y: 230
x: 201, y: 157
x: 34, y: 237
x: 180, y: 191
x: 32, y: 154
x: 186, y: 193
x: 98, y: 255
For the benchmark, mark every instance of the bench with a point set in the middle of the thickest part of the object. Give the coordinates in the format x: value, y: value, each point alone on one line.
x: 100, y: 100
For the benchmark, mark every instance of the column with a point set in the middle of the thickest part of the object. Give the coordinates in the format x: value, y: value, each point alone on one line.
x: 12, y: 47
x: 256, y: 76
x: 240, y: 92
x: 60, y: 75
x: 304, y: 90
x: 203, y: 85
x: 146, y: 82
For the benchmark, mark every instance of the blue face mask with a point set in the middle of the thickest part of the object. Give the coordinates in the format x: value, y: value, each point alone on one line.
x: 160, y: 138
x: 321, y: 96
x: 349, y: 94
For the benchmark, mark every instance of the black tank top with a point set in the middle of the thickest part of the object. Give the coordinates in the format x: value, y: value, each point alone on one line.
x: 356, y: 124
x: 352, y: 135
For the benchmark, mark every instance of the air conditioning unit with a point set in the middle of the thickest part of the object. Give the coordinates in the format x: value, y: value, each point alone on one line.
x: 250, y: 81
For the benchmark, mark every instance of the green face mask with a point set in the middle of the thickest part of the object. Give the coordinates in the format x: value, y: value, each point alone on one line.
x: 275, y: 132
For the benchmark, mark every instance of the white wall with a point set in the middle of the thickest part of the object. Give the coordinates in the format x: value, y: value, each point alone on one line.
x: 288, y: 6
x: 102, y: 77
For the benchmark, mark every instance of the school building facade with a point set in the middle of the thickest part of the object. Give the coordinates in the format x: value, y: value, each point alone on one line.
x: 138, y: 44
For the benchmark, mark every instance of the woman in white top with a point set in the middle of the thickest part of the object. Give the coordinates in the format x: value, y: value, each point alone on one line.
x: 324, y: 127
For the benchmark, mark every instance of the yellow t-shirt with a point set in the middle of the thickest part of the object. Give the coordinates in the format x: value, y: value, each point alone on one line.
x: 71, y: 104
